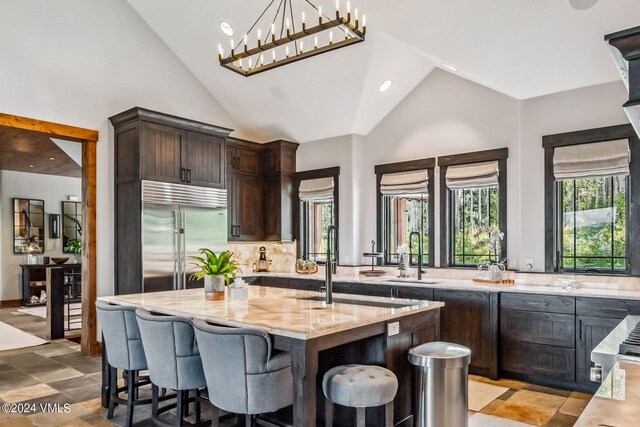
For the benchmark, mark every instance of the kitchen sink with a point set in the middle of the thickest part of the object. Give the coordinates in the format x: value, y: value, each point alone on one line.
x: 419, y: 282
x: 383, y: 304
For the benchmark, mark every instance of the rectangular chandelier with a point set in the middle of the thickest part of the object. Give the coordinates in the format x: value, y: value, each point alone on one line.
x: 289, y: 46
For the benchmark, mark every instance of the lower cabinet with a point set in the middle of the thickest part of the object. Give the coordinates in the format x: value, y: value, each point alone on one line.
x: 538, y: 360
x: 590, y: 331
x: 470, y: 318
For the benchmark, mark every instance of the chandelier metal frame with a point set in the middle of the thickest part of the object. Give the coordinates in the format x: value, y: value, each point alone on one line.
x: 240, y: 58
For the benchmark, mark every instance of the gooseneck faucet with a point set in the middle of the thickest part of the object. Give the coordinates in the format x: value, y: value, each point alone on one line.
x: 330, y: 266
x: 419, y: 252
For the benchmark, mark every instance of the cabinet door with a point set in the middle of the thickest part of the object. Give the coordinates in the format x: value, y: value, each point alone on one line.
x: 273, y: 210
x: 414, y: 293
x: 161, y: 149
x: 247, y: 161
x: 539, y: 328
x: 204, y: 160
x: 537, y: 360
x: 470, y: 319
x: 350, y: 288
x: 591, y: 330
x: 232, y: 206
x: 249, y: 207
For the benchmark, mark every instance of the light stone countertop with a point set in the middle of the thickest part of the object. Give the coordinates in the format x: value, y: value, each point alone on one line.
x: 285, y: 312
x: 616, y: 402
x: 585, y: 289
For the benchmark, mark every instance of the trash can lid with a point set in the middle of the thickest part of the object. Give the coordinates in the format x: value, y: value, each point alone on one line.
x: 439, y: 354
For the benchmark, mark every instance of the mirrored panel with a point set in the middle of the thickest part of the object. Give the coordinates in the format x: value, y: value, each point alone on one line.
x: 71, y: 227
x: 28, y: 226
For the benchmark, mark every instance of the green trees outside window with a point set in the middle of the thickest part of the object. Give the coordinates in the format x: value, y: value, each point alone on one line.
x: 475, y: 210
x: 593, y: 224
x: 403, y: 215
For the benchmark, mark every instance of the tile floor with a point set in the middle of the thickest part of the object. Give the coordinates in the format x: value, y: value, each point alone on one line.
x: 58, y: 373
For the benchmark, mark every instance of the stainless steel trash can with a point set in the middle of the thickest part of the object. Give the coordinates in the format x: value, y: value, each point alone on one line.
x: 442, y: 384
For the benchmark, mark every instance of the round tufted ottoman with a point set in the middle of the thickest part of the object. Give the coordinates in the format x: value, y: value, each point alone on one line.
x: 360, y: 387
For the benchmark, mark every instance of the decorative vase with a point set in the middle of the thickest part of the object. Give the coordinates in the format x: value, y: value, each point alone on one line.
x: 214, y: 288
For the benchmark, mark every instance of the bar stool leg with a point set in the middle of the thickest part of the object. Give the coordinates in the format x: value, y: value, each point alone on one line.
x: 215, y: 416
x: 130, y: 397
x: 388, y: 412
x: 114, y: 391
x: 328, y: 413
x: 360, y: 417
x: 179, y: 407
x: 154, y: 400
x: 197, y: 407
x: 248, y: 420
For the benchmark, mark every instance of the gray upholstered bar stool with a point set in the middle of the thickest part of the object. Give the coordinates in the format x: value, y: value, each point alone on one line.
x: 360, y: 387
x: 174, y: 361
x: 244, y: 374
x: 124, y: 351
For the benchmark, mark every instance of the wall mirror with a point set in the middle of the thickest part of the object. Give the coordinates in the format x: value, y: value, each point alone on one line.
x: 71, y: 227
x: 28, y: 226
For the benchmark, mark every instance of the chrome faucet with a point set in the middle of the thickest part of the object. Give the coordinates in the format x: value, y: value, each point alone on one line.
x: 331, y: 265
x: 419, y: 252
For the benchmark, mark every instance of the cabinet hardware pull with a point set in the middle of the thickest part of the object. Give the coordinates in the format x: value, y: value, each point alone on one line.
x: 189, y: 175
x: 238, y: 231
x: 238, y: 162
x: 619, y: 309
x: 580, y: 327
x: 277, y: 165
x: 182, y: 174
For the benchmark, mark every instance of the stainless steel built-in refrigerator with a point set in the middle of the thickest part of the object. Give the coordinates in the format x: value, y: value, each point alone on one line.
x: 178, y: 220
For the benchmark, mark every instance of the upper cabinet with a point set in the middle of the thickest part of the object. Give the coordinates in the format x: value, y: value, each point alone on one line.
x: 160, y: 147
x: 259, y: 185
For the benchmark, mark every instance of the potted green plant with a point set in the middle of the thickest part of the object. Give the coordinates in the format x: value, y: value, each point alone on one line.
x: 74, y: 246
x: 216, y: 270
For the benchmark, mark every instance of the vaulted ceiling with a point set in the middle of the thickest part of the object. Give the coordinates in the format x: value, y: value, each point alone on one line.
x: 523, y: 48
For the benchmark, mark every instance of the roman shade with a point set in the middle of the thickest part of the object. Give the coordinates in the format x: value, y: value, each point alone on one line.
x: 405, y: 184
x: 591, y: 160
x: 474, y: 175
x: 316, y: 190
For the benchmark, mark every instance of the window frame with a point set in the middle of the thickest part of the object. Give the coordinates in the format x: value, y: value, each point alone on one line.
x: 551, y: 197
x: 429, y: 165
x: 446, y: 219
x: 332, y: 172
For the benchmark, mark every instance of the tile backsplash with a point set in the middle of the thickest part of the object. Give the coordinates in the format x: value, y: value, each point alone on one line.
x: 282, y: 255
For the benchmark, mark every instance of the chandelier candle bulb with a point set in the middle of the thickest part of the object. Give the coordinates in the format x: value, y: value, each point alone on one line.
x: 315, y: 42
x: 364, y: 24
x: 301, y: 46
x: 273, y: 55
x: 330, y: 37
x: 287, y: 50
x: 320, y: 15
x: 250, y: 63
x: 261, y: 60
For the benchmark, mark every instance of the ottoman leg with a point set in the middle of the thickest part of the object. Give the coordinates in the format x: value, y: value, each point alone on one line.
x: 388, y: 414
x: 360, y: 417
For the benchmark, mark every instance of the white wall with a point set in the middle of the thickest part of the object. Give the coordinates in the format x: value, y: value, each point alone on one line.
x: 53, y: 190
x: 80, y: 61
x: 446, y: 114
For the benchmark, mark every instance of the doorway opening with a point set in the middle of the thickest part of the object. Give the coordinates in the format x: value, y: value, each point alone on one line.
x: 80, y: 234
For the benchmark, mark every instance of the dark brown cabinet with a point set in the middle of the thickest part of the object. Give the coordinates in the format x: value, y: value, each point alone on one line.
x: 470, y: 318
x: 590, y: 331
x: 157, y: 147
x: 260, y: 190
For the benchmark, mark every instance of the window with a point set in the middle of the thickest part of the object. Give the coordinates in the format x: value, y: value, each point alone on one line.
x: 473, y: 192
x: 316, y: 217
x: 475, y: 212
x: 404, y: 208
x: 315, y: 209
x: 589, y: 181
x: 403, y: 215
x: 593, y: 224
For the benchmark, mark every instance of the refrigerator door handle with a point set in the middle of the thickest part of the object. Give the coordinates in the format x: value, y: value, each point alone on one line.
x: 176, y: 242
x: 184, y: 250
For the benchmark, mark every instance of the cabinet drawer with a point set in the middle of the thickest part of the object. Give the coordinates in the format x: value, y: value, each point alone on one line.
x: 415, y: 293
x: 350, y: 288
x: 544, y: 303
x: 605, y: 307
x: 556, y: 363
x: 538, y: 328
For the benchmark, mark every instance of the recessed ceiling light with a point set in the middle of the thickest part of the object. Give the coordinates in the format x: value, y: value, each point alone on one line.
x: 450, y: 67
x: 52, y: 158
x: 226, y: 28
x: 385, y: 85
x: 30, y: 166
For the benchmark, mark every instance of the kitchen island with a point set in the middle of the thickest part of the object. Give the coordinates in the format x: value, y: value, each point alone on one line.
x: 355, y: 329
